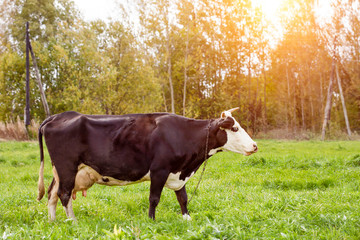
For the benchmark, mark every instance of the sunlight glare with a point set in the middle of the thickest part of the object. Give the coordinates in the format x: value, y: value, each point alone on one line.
x: 271, y: 12
x: 270, y: 8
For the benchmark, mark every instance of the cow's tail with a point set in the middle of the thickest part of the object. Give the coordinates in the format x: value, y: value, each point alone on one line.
x: 41, y: 186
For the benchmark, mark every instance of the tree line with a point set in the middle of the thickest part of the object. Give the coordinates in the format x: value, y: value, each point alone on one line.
x: 193, y: 58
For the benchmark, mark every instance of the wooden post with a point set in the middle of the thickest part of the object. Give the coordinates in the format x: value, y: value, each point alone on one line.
x: 27, y: 107
x: 38, y: 80
x: 328, y: 101
x: 343, y: 102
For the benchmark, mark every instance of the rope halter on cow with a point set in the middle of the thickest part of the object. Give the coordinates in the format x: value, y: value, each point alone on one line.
x: 223, y: 115
x: 205, y: 160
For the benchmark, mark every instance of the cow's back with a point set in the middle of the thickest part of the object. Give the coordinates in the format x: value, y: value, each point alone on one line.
x: 113, y: 145
x: 62, y: 133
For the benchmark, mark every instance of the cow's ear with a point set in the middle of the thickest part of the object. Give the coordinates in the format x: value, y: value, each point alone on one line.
x: 227, y: 123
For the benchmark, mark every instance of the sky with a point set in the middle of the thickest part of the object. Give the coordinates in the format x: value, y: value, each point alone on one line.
x: 98, y: 9
x: 105, y: 9
x: 109, y: 9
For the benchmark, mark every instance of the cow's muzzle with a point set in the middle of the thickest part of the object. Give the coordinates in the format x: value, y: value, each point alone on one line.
x: 254, y: 150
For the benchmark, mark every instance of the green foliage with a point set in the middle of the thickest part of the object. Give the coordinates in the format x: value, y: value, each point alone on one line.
x: 214, y: 55
x: 45, y: 16
x: 287, y: 190
x: 93, y: 68
x: 12, y: 84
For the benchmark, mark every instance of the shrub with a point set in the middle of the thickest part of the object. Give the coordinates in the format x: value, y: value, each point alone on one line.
x: 16, y: 130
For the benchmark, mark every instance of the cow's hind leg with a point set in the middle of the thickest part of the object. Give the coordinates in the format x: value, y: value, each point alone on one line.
x: 183, y: 200
x: 53, y: 199
x: 66, y: 185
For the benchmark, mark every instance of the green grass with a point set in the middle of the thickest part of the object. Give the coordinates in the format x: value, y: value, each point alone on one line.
x: 288, y: 190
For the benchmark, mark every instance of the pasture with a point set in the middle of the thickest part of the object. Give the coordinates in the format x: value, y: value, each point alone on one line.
x: 288, y: 190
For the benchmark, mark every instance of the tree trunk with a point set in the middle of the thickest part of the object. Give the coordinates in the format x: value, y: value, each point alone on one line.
x: 302, y: 96
x: 164, y: 99
x: 343, y: 102
x: 294, y: 109
x: 185, y: 68
x: 171, y: 88
x: 255, y: 128
x: 249, y: 100
x: 169, y: 64
x: 288, y: 105
x: 321, y: 96
x: 310, y: 92
x: 327, y: 112
x: 265, y: 110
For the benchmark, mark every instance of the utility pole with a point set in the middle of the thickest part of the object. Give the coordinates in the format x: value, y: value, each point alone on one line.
x: 38, y: 80
x: 27, y: 107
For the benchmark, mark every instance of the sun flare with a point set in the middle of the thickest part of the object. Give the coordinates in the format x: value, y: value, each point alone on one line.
x: 270, y: 8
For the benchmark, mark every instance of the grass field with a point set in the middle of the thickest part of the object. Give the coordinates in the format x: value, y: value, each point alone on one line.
x: 288, y: 190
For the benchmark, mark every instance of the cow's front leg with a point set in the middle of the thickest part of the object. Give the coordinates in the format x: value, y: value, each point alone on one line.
x: 65, y: 198
x: 183, y: 200
x: 158, y: 180
x: 69, y: 210
x: 66, y: 185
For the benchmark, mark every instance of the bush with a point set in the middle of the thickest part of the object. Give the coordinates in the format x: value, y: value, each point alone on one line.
x: 16, y: 130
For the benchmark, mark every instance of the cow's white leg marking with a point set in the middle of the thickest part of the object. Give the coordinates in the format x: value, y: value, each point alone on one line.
x: 52, y: 202
x: 54, y: 199
x: 187, y: 217
x: 69, y: 210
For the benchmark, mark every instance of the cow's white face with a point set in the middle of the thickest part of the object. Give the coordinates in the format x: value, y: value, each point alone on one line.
x: 237, y: 139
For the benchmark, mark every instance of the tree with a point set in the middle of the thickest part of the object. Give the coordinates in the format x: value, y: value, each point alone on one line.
x: 332, y: 33
x: 191, y: 57
x: 158, y: 30
x: 45, y: 22
x: 295, y: 67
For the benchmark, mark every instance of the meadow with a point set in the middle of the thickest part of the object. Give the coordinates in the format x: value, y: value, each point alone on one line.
x: 288, y: 190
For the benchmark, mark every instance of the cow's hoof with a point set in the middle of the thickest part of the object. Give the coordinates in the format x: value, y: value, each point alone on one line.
x: 187, y: 217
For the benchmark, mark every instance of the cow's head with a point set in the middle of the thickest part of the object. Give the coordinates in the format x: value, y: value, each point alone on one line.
x: 237, y: 139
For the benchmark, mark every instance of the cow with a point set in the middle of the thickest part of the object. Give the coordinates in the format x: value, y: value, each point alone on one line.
x: 117, y: 150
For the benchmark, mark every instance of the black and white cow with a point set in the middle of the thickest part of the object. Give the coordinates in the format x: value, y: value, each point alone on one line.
x: 162, y: 148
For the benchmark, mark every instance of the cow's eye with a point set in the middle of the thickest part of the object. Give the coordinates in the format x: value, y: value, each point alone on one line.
x: 234, y: 129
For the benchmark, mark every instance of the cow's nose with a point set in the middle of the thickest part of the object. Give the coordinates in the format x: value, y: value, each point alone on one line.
x: 255, y: 147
